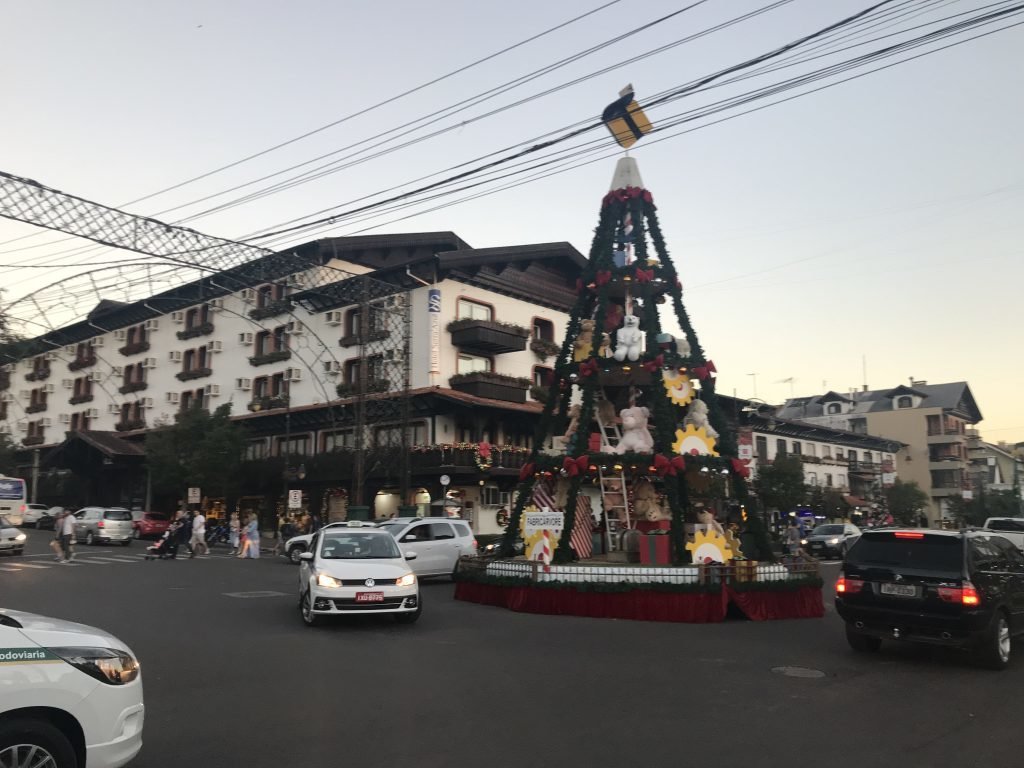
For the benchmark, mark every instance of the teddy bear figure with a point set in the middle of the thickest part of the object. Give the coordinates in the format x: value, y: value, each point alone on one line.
x: 645, y: 500
x: 682, y: 347
x: 584, y: 343
x: 636, y: 438
x: 628, y: 339
x: 605, y: 350
x: 697, y: 415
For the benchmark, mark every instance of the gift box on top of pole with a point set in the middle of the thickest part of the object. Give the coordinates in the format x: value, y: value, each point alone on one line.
x: 631, y: 407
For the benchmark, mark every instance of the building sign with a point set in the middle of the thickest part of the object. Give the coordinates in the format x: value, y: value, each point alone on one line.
x: 745, y: 444
x: 295, y: 498
x: 888, y: 479
x: 535, y: 522
x: 434, y: 313
x: 194, y: 496
x: 12, y: 489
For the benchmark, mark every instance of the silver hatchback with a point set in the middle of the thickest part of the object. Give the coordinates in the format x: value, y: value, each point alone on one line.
x: 106, y: 525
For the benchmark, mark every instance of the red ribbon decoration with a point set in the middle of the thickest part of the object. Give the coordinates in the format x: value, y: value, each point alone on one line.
x: 704, y: 371
x: 573, y: 466
x: 603, y: 277
x: 526, y: 471
x: 740, y: 468
x: 653, y: 365
x: 484, y: 449
x: 589, y: 367
x: 644, y: 275
x: 666, y: 466
x: 627, y: 193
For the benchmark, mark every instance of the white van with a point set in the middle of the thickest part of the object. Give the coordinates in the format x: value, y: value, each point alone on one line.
x: 12, y: 499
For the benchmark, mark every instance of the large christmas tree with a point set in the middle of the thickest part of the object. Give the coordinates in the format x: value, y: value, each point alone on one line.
x: 630, y: 408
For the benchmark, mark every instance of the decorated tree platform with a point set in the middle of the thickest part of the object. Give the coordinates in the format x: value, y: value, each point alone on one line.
x: 638, y: 434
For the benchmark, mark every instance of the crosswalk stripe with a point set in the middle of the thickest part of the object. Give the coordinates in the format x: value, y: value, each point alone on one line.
x: 124, y: 559
x: 32, y: 565
x: 94, y: 559
x: 10, y: 570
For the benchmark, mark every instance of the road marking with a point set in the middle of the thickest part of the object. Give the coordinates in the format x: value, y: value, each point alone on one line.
x: 123, y: 559
x: 33, y: 565
x: 93, y: 559
x: 10, y: 570
x: 266, y: 593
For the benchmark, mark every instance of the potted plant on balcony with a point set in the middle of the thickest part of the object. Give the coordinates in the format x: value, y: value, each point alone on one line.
x: 488, y: 335
x: 543, y: 348
x: 496, y: 386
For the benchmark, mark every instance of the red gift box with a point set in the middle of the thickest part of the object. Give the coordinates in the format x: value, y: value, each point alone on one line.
x: 594, y: 446
x: 655, y: 549
x: 646, y: 526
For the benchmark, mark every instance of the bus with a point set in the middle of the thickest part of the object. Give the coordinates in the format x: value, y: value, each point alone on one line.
x: 12, y: 499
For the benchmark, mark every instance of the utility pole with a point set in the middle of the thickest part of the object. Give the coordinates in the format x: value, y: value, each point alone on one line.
x: 35, y: 475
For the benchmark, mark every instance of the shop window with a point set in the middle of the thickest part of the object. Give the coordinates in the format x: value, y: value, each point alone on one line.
x: 293, y: 446
x: 472, y: 363
x: 341, y: 440
x: 471, y: 310
x: 255, y: 450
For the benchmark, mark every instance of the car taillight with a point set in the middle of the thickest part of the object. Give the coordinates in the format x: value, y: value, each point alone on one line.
x: 908, y: 535
x: 99, y: 524
x: 964, y: 595
x: 24, y: 508
x: 475, y: 545
x: 847, y: 586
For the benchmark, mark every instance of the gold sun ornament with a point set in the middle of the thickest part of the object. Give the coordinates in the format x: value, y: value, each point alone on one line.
x: 694, y: 441
x: 709, y: 547
x: 679, y: 387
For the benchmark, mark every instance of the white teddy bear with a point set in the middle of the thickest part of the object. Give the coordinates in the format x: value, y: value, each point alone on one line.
x: 682, y: 347
x: 697, y: 415
x: 628, y: 339
x: 636, y: 438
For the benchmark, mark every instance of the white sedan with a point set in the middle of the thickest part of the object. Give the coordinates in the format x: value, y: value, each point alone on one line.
x: 72, y: 694
x: 11, y: 540
x: 355, y: 570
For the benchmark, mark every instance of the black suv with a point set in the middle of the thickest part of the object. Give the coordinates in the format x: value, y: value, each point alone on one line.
x: 956, y: 588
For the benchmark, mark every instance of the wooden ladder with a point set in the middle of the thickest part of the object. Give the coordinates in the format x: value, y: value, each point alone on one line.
x: 610, y: 433
x: 615, y: 510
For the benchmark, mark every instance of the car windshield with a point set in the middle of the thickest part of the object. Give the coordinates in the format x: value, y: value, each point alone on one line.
x: 827, y: 530
x: 117, y: 514
x: 358, y: 545
x: 923, y: 552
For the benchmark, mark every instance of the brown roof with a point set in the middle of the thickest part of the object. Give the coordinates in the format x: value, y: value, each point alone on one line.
x: 110, y: 443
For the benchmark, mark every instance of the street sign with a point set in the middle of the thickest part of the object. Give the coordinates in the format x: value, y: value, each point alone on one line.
x: 194, y: 496
x: 295, y: 499
x: 445, y: 479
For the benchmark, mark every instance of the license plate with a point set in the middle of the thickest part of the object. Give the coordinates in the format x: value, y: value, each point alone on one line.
x: 899, y: 590
x: 369, y: 597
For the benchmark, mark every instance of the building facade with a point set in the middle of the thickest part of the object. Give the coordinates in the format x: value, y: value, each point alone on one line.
x: 930, y: 420
x: 994, y: 467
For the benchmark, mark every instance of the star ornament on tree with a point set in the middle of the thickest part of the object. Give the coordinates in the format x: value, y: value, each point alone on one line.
x: 694, y: 441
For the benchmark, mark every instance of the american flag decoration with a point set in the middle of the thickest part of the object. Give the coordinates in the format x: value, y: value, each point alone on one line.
x: 580, y: 538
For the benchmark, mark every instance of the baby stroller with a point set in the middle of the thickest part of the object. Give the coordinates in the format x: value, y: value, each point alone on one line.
x: 167, y: 547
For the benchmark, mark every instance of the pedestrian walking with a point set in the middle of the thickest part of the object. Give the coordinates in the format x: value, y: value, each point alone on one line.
x: 185, y: 529
x: 235, y: 527
x: 198, y: 538
x: 794, y: 543
x: 67, y: 532
x: 252, y: 531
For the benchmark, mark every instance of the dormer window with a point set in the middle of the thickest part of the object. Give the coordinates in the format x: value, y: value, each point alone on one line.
x: 904, y: 401
x: 833, y: 408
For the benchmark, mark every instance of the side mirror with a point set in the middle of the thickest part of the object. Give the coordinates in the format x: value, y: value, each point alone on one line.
x: 410, y: 555
x: 305, y: 556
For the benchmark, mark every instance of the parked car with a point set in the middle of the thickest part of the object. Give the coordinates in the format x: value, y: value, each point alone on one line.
x: 72, y: 695
x: 103, y: 525
x: 11, y: 540
x: 831, y: 539
x: 1011, y: 528
x: 48, y: 521
x: 32, y: 513
x: 356, y: 570
x: 150, y: 525
x: 438, y: 542
x: 956, y: 588
x: 296, y: 545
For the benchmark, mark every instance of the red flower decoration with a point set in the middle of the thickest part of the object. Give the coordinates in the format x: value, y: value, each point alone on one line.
x: 484, y: 449
x: 740, y: 468
x: 526, y: 470
x: 655, y: 364
x: 665, y: 466
x: 644, y: 275
x: 589, y: 367
x: 705, y: 371
x: 573, y: 466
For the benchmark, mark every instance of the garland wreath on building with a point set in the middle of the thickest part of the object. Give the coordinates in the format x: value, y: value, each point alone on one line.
x: 617, y: 366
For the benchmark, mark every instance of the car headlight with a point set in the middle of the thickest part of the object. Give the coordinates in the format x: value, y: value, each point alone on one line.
x: 20, y: 537
x: 803, y: 542
x: 406, y: 581
x: 323, y: 580
x: 108, y: 665
x: 833, y: 541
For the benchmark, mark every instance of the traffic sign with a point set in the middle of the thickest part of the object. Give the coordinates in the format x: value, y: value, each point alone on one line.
x: 445, y: 480
x: 194, y: 496
x: 295, y: 499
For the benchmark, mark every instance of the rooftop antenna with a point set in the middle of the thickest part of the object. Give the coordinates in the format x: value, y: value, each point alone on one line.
x: 754, y: 377
x: 864, y: 371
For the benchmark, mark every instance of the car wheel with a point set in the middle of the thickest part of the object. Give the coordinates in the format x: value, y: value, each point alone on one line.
x: 412, y: 617
x: 17, y: 552
x: 136, y: 534
x: 306, y: 609
x: 294, y: 552
x: 90, y: 539
x: 996, y: 648
x: 35, y: 743
x: 126, y: 542
x: 862, y: 643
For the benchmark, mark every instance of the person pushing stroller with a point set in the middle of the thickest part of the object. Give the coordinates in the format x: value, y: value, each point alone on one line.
x: 167, y: 547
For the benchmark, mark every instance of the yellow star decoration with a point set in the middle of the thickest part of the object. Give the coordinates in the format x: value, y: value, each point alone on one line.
x: 533, y: 542
x: 694, y: 441
x: 679, y: 387
x: 709, y: 547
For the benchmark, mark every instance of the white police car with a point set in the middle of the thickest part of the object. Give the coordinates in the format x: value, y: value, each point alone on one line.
x: 70, y: 695
x: 356, y: 570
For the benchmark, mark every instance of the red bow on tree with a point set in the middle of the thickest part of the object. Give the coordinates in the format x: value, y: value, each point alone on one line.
x: 655, y: 364
x: 705, y: 371
x: 603, y: 277
x: 573, y: 466
x: 740, y: 468
x: 626, y: 193
x: 484, y: 449
x: 666, y: 466
x: 589, y: 367
x: 644, y: 275
x: 526, y: 470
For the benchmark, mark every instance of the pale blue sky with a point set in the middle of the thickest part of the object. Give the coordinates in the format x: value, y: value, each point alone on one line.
x: 872, y: 219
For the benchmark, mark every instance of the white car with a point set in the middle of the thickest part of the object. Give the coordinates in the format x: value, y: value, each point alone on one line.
x: 11, y: 540
x: 438, y: 542
x: 32, y: 512
x: 72, y: 695
x: 356, y: 570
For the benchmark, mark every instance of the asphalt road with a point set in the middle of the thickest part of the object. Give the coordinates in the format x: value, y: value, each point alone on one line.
x: 239, y: 680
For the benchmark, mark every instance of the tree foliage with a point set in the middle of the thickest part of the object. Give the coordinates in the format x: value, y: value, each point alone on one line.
x: 906, y: 502
x: 985, y: 505
x: 8, y: 465
x: 201, y: 449
x: 780, y: 485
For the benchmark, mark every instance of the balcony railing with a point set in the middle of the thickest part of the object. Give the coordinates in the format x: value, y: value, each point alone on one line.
x: 352, y: 339
x: 127, y: 425
x: 279, y: 307
x: 271, y: 357
x: 82, y: 362
x: 195, y: 373
x: 77, y: 399
x: 40, y: 374
x: 5, y: 380
x: 133, y: 386
x: 494, y: 386
x: 134, y: 348
x: 205, y: 329
x: 465, y: 457
x: 488, y: 336
x: 268, y: 402
x: 33, y: 440
x: 36, y: 408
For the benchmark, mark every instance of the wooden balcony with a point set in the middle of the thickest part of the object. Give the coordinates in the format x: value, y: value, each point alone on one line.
x: 494, y: 386
x: 488, y: 336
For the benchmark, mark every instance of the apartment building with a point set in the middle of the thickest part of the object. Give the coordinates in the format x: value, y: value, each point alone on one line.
x: 931, y: 420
